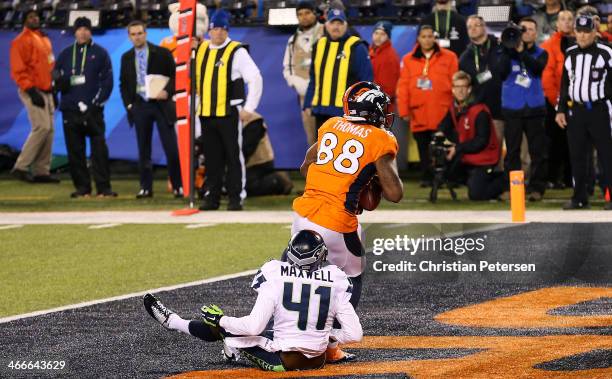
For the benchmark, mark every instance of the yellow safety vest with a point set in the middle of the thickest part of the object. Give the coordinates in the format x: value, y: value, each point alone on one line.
x: 331, y: 66
x: 213, y: 78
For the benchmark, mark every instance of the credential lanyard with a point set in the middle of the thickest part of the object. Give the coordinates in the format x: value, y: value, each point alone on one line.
x: 448, y: 13
x: 426, y: 68
x: 82, y: 60
x: 477, y: 56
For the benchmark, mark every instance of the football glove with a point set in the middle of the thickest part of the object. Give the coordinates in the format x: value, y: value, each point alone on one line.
x: 211, y: 315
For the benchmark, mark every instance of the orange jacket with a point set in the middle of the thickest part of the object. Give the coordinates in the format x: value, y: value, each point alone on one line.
x: 426, y: 108
x: 170, y: 44
x: 386, y: 66
x: 32, y: 60
x: 551, y: 76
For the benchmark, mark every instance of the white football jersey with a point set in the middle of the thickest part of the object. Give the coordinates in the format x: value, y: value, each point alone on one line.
x: 305, y: 304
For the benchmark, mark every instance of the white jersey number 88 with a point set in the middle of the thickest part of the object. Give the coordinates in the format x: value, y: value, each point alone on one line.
x: 352, y: 150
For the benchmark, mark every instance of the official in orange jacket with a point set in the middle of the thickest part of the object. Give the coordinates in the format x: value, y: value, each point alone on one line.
x: 385, y: 61
x: 424, y: 91
x: 32, y: 61
x: 559, y: 170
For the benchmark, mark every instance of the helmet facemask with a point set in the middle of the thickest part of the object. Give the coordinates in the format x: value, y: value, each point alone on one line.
x: 306, y: 250
x: 367, y: 103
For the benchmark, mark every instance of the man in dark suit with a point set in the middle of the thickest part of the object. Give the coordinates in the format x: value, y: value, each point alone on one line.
x: 137, y: 64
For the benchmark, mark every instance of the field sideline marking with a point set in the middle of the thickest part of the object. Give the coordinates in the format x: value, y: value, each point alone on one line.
x: 198, y: 226
x: 103, y: 226
x: 126, y: 296
x: 14, y: 226
x: 286, y: 217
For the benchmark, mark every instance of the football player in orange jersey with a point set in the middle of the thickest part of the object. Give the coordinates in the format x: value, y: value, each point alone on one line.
x: 349, y: 151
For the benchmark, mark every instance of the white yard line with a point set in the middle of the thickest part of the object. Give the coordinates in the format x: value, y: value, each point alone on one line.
x: 7, y: 227
x: 198, y: 226
x: 103, y: 226
x: 127, y: 296
x: 286, y: 217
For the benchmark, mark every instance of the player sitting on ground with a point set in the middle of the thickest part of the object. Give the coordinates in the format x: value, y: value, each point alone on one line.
x: 304, y: 295
x: 351, y: 152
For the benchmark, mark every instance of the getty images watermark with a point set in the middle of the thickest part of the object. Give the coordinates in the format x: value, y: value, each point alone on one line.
x: 457, y: 245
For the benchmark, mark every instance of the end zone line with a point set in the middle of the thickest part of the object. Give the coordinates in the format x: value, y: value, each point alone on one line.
x: 126, y: 296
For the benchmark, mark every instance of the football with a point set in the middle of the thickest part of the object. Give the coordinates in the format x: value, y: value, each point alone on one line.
x: 370, y: 195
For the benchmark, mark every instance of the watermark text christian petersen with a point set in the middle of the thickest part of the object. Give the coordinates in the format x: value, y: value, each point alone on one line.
x: 472, y: 246
x: 429, y: 266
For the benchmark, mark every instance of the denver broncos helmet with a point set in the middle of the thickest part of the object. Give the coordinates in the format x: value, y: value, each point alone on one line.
x: 306, y: 250
x: 367, y: 102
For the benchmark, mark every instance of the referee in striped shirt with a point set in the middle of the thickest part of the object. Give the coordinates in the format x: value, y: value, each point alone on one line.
x: 585, y: 107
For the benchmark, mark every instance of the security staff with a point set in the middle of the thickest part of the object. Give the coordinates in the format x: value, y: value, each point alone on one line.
x: 145, y: 60
x: 585, y: 107
x: 223, y: 67
x: 84, y: 76
x: 339, y: 60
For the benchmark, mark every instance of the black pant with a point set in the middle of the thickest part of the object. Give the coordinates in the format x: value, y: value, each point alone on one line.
x: 263, y: 180
x: 483, y: 182
x: 320, y: 120
x: 559, y: 169
x: 423, y: 140
x: 145, y: 114
x: 533, y: 127
x: 588, y: 127
x: 78, y: 126
x: 222, y: 147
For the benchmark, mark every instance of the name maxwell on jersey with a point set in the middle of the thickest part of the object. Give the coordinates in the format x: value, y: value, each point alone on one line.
x: 322, y: 275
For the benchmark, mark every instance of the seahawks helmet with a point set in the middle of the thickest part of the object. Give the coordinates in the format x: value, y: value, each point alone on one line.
x: 367, y: 102
x: 306, y: 250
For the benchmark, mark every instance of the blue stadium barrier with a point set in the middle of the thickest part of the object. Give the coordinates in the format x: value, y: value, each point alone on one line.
x: 279, y: 104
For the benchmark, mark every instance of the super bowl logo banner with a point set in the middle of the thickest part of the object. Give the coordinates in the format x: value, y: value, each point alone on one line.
x: 184, y: 38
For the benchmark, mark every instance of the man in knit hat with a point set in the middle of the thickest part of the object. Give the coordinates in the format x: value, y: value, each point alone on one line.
x: 386, y: 67
x: 223, y: 67
x: 84, y: 77
x: 330, y: 77
x: 32, y: 61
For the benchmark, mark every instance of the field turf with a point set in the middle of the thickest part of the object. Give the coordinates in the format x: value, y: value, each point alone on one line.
x: 554, y: 322
x: 24, y: 197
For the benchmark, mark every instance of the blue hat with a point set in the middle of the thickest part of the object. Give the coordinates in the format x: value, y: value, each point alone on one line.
x: 336, y: 14
x: 219, y: 19
x: 385, y: 26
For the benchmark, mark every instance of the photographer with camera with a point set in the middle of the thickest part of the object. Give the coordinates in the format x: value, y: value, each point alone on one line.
x: 523, y: 105
x: 474, y: 151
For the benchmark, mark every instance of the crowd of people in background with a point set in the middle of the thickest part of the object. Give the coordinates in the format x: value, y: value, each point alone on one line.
x: 502, y: 107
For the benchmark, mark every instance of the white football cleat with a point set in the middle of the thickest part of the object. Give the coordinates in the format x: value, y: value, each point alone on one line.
x: 231, y: 354
x: 157, y: 310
